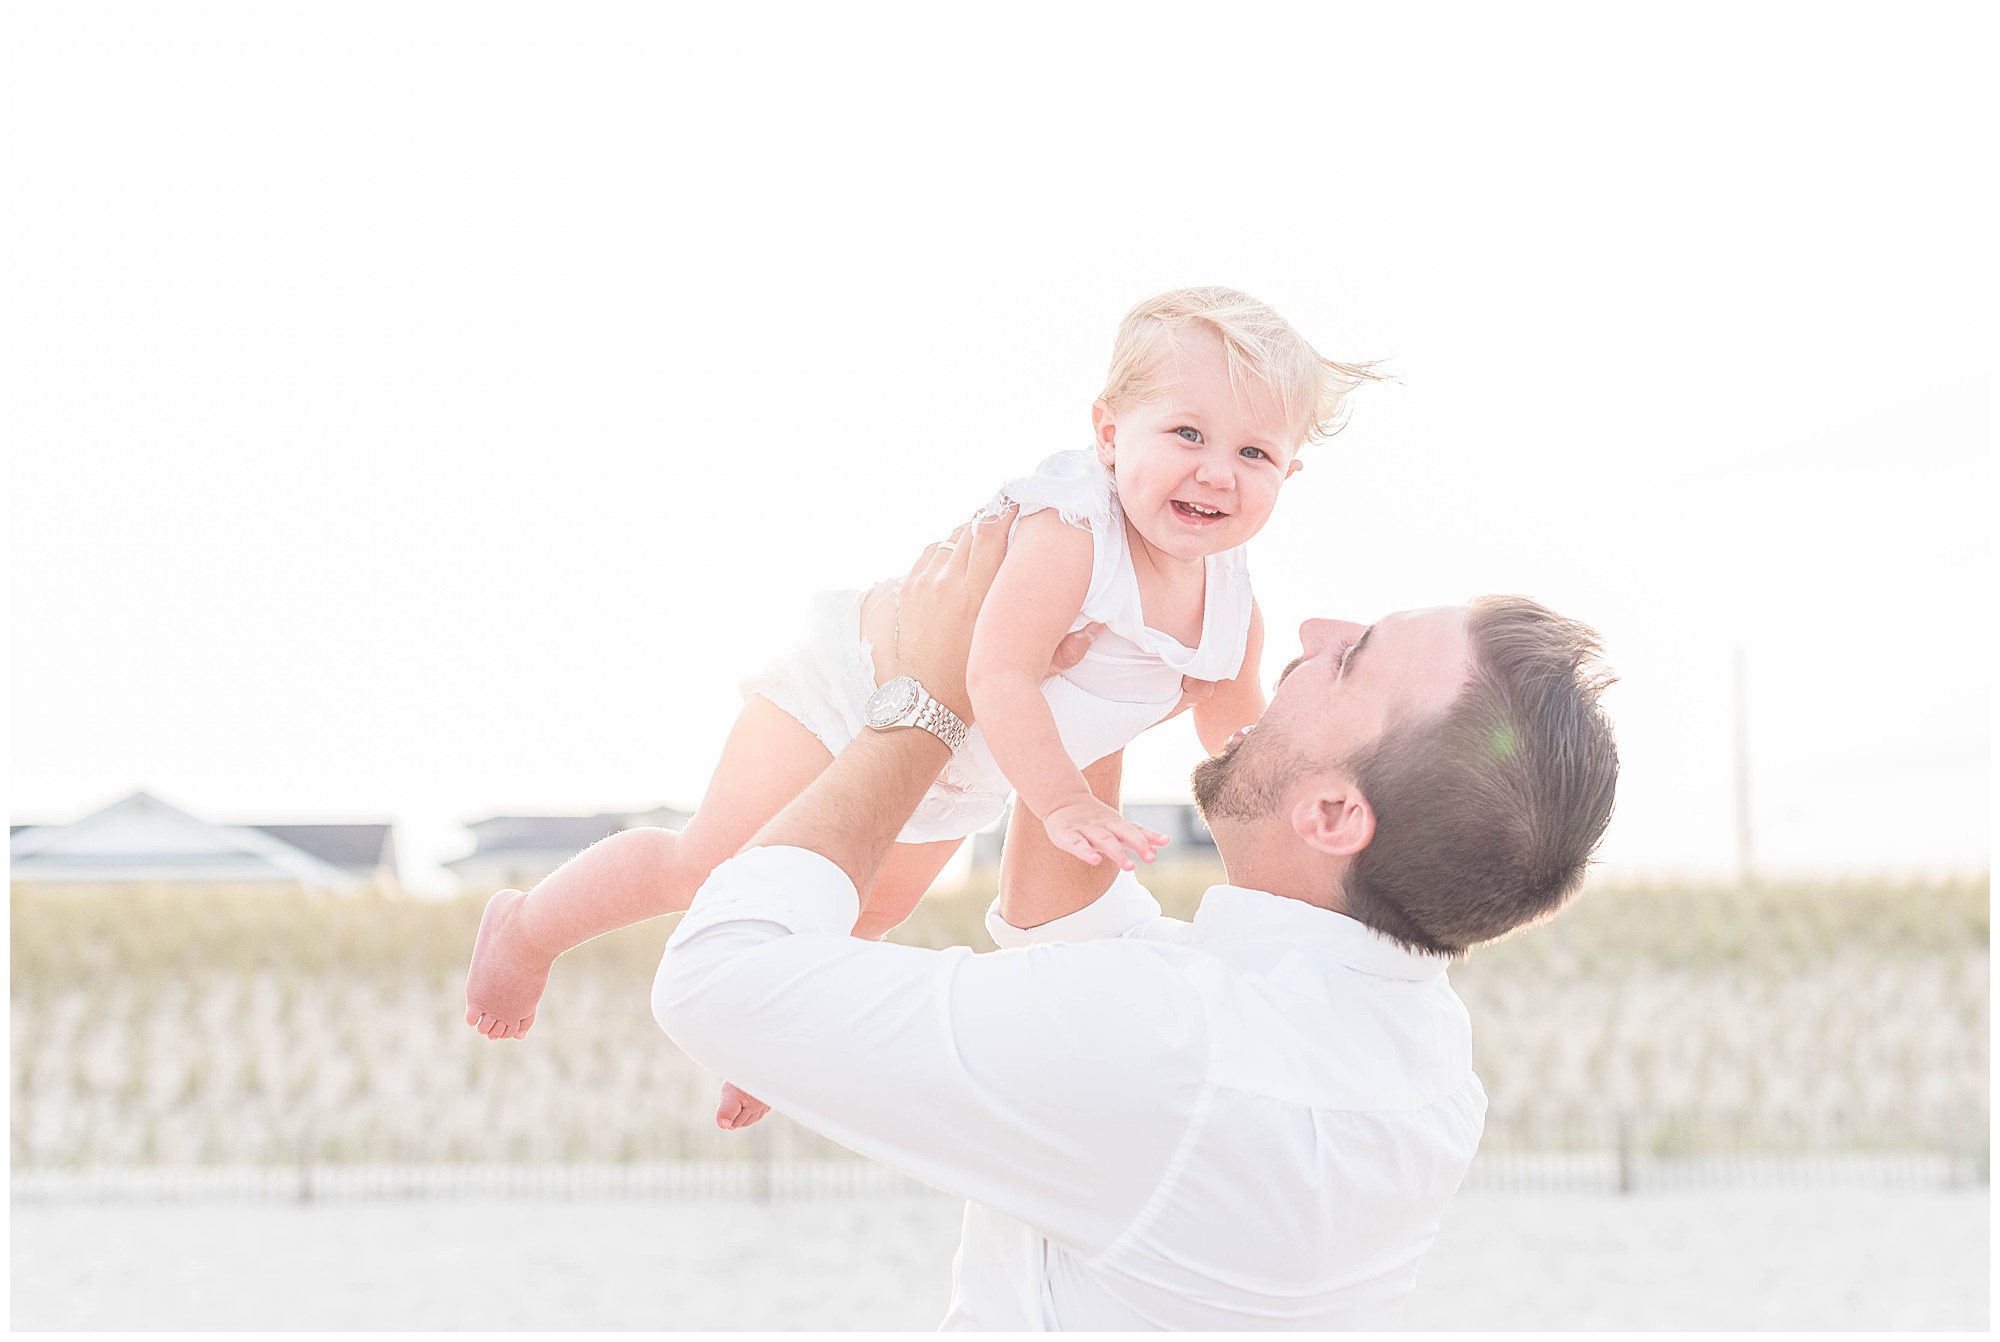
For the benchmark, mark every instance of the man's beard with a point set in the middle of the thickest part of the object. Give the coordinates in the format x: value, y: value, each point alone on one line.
x: 1247, y: 780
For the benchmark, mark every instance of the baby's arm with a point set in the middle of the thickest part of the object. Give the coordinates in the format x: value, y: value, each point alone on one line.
x: 1028, y: 612
x: 1238, y: 702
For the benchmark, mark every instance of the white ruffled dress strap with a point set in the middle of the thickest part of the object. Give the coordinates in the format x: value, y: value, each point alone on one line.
x: 1073, y: 483
x: 1080, y: 491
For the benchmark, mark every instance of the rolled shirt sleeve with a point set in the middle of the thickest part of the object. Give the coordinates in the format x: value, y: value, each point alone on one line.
x: 1052, y: 1083
x: 1125, y: 906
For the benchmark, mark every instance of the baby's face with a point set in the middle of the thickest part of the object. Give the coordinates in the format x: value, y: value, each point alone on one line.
x: 1199, y: 469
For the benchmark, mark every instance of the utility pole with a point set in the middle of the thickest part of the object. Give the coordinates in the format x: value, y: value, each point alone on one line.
x: 1745, y: 857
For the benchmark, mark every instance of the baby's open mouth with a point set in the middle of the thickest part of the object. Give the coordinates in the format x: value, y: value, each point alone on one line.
x: 1194, y: 512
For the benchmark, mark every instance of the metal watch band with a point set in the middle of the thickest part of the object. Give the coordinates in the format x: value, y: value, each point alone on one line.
x: 940, y: 721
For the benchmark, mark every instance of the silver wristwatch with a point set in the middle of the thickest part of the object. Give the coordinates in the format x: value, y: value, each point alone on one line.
x: 903, y: 703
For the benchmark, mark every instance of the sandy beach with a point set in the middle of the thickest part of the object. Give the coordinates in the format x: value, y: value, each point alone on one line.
x: 1709, y: 1260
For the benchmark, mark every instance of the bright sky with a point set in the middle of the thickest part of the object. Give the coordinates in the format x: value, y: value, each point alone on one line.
x: 424, y: 412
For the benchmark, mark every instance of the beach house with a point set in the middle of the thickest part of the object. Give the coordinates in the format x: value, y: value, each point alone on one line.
x: 515, y: 851
x: 142, y: 841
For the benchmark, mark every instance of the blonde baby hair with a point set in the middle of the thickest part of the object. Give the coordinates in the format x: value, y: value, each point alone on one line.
x: 1261, y: 346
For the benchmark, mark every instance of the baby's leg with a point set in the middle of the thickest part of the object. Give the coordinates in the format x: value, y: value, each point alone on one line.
x: 636, y: 874
x: 905, y: 876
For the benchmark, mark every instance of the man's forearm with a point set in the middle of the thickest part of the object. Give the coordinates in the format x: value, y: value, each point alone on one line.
x: 852, y: 813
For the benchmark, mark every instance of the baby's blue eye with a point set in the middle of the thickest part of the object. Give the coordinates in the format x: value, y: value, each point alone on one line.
x: 1256, y: 453
x: 1192, y: 435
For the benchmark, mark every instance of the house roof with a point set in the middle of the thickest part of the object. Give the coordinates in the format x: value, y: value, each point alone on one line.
x: 362, y: 849
x: 557, y: 834
x: 519, y: 833
x: 142, y: 838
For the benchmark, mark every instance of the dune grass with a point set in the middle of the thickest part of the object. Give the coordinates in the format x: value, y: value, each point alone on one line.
x: 178, y: 1026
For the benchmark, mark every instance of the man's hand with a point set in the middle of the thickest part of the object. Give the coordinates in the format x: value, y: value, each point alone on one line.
x: 1193, y: 692
x: 1075, y: 644
x: 939, y: 604
x: 853, y: 811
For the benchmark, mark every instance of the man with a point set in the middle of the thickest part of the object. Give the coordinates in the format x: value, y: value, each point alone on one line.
x: 1253, y: 1120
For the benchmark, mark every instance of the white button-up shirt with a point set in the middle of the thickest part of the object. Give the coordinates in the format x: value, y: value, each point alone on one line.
x: 1253, y: 1120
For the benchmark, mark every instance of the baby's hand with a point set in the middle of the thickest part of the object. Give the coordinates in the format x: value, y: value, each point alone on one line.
x: 1092, y: 831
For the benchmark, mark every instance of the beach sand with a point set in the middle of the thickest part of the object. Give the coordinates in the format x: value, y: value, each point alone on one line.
x: 1751, y: 1259
x: 1836, y: 1259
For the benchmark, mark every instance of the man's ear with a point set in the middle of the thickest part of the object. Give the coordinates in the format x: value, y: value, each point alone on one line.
x: 1338, y: 821
x: 1104, y: 430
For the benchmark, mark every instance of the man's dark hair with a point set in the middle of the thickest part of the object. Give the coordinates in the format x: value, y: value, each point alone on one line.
x: 1486, y: 815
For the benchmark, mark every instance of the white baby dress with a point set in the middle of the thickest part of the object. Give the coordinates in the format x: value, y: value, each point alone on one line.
x: 1128, y: 680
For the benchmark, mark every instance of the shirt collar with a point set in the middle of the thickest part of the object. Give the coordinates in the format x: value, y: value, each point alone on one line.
x: 1233, y: 912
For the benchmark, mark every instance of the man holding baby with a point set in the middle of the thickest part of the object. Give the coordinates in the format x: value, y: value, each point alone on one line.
x: 1251, y: 1120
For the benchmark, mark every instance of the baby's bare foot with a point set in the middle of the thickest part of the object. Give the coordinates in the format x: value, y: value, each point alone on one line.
x: 737, y: 1109
x: 507, y: 976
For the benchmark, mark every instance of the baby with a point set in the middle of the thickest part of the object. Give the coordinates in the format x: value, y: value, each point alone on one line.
x: 1134, y: 547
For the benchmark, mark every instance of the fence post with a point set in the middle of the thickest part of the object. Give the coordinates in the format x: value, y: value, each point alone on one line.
x: 305, y: 1163
x: 761, y: 1177
x: 1623, y: 1124
x: 1969, y: 1152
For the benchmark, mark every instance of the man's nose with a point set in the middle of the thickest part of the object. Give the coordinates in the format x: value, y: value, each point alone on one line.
x: 1316, y: 636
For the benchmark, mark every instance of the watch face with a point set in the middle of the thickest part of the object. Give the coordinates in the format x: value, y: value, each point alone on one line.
x: 890, y: 702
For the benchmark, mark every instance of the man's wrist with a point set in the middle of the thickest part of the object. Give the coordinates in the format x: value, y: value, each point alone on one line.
x: 1123, y: 905
x: 947, y: 690
x: 905, y: 701
x: 937, y: 718
x: 913, y: 738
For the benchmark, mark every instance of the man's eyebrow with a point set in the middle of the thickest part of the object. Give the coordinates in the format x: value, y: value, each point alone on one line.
x: 1354, y: 650
x: 1346, y: 656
